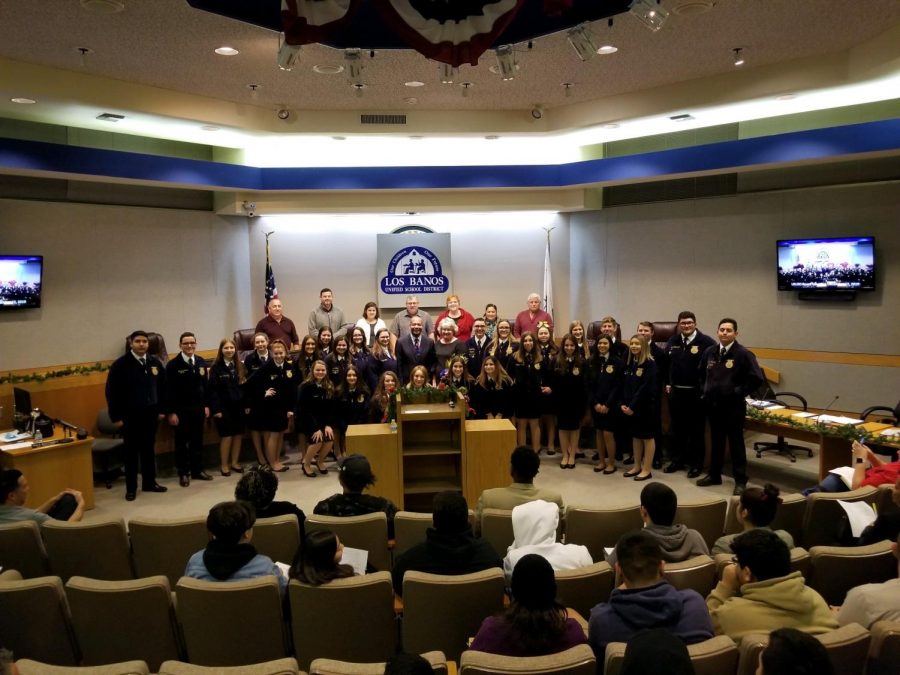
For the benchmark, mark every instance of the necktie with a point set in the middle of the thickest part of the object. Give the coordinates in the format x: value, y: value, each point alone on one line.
x: 191, y: 361
x: 684, y: 341
x: 722, y: 353
x: 480, y: 345
x: 417, y: 346
x: 143, y: 362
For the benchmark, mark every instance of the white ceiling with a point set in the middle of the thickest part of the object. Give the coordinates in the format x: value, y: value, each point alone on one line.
x: 154, y: 62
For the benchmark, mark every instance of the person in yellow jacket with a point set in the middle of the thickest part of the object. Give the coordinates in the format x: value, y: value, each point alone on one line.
x: 758, y: 592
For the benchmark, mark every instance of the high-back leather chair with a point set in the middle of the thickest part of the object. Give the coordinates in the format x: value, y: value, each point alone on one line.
x: 662, y: 331
x: 243, y: 341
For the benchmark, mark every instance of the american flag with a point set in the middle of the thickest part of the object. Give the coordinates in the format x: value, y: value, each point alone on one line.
x: 271, y: 289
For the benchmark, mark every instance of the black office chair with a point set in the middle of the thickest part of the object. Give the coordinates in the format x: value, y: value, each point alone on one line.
x: 101, y: 448
x: 781, y: 446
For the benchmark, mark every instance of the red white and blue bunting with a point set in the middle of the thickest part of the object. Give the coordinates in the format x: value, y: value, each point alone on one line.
x: 309, y: 21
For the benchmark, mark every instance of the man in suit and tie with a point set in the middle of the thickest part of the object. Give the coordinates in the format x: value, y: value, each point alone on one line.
x: 135, y: 387
x: 187, y: 409
x: 416, y: 349
x: 476, y: 347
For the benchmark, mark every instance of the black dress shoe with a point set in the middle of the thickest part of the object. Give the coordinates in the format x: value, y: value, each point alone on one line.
x: 693, y: 472
x: 184, y: 481
x: 739, y: 489
x: 673, y: 467
x: 156, y: 487
x: 709, y: 480
x: 628, y: 461
x: 130, y: 496
x: 657, y: 463
x: 647, y: 477
x: 201, y: 476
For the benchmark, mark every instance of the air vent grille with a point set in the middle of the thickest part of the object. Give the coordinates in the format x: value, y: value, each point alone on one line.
x: 382, y: 119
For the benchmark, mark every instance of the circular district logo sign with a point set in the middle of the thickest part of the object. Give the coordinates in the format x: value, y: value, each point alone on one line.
x: 412, y: 270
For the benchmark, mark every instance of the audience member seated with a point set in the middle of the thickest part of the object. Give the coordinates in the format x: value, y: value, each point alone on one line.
x: 886, y: 525
x: 869, y: 603
x: 655, y: 651
x: 356, y: 475
x: 229, y: 555
x: 67, y: 505
x: 760, y: 591
x: 792, y: 652
x: 523, y: 467
x: 677, y: 542
x: 878, y: 472
x: 450, y: 546
x: 646, y: 600
x: 535, y: 623
x: 534, y: 528
x: 258, y: 486
x: 319, y: 559
x: 407, y: 664
x: 756, y: 509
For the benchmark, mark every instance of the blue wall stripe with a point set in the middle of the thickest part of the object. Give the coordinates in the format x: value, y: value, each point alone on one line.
x: 817, y: 144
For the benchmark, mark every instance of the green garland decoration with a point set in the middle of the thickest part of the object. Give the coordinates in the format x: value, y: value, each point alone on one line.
x: 12, y: 378
x: 846, y: 432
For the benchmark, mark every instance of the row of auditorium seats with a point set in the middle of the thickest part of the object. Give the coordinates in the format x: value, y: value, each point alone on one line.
x: 150, y: 546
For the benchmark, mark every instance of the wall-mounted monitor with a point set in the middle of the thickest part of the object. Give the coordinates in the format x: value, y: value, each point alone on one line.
x: 20, y: 281
x: 838, y: 264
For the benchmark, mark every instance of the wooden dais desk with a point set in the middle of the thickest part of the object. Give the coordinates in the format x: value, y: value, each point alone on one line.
x: 53, y: 468
x: 833, y: 451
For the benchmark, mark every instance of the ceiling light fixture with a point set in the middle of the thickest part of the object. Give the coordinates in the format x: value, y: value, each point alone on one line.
x: 607, y: 49
x: 738, y: 56
x: 23, y: 101
x: 410, y: 100
x: 582, y: 42
x: 413, y: 83
x: 225, y: 50
x: 82, y: 53
x: 110, y: 117
x: 465, y: 88
x: 288, y: 55
x: 448, y: 73
x: 358, y: 88
x: 567, y: 87
x: 506, y: 62
x: 683, y: 117
x: 325, y: 69
x: 103, y: 6
x: 254, y: 90
x: 650, y: 13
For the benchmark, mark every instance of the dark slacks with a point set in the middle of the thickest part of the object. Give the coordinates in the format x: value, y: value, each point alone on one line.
x: 726, y: 422
x: 688, y: 426
x: 63, y: 508
x: 139, y: 434
x: 189, y: 442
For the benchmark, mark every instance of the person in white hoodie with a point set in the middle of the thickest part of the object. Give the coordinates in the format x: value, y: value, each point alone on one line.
x: 534, y: 527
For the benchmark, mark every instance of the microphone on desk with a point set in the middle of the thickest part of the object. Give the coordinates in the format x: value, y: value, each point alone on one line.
x: 80, y: 432
x: 819, y: 419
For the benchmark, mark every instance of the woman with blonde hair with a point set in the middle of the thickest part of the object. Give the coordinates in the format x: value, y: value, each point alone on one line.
x: 271, y: 391
x: 529, y: 374
x: 491, y: 396
x: 503, y: 346
x: 226, y: 405
x: 638, y: 391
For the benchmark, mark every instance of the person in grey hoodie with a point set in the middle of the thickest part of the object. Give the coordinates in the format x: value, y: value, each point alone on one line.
x: 645, y: 600
x: 677, y: 542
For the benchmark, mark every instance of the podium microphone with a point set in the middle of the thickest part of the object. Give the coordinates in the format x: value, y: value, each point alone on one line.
x: 819, y: 419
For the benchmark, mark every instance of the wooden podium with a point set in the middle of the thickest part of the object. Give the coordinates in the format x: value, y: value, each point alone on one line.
x: 434, y: 449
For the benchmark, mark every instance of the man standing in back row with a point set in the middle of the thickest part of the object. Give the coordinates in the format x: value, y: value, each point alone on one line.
x: 685, y: 350
x: 277, y: 326
x: 730, y: 373
x: 326, y: 315
x: 135, y: 386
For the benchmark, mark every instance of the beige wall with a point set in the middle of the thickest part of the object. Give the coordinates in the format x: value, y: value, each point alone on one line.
x: 111, y: 269
x: 717, y: 258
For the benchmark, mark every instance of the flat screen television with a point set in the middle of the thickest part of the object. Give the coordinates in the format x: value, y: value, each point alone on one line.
x: 838, y: 264
x: 20, y: 281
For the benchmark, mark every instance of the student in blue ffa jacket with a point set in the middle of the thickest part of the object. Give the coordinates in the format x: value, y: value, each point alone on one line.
x: 529, y: 374
x: 135, y: 388
x: 226, y: 405
x: 315, y: 417
x: 491, y: 396
x: 187, y: 409
x: 270, y: 393
x: 337, y: 361
x: 361, y: 357
x: 352, y: 406
x: 605, y: 388
x: 638, y: 391
x: 477, y: 347
x: 685, y: 350
x: 730, y: 373
x: 660, y: 358
x: 570, y: 398
x: 253, y: 362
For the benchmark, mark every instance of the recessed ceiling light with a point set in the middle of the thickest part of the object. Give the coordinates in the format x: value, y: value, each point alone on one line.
x: 325, y: 69
x: 607, y: 49
x: 787, y: 97
x: 339, y: 138
x: 413, y: 83
x: 410, y: 100
x: 495, y: 69
x: 23, y: 101
x: 210, y: 127
x: 688, y: 7
x: 225, y: 50
x: 103, y: 6
x: 609, y: 125
x: 492, y: 137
